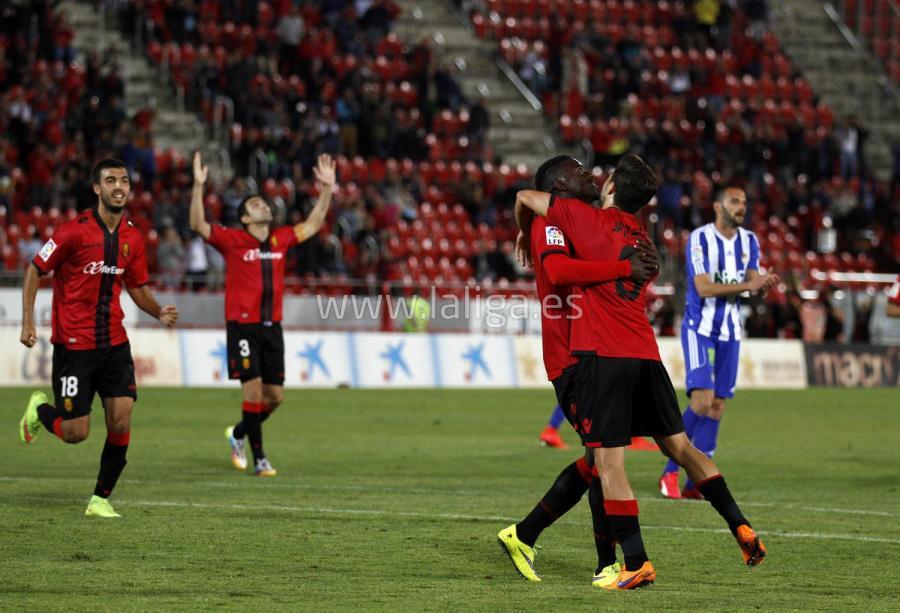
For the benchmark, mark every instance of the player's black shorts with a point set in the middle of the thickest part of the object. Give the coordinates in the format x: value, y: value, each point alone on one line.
x: 618, y: 398
x: 255, y: 350
x: 78, y: 374
x: 564, y: 386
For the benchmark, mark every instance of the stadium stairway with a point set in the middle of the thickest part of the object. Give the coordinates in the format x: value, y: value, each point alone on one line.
x: 848, y: 79
x: 172, y: 128
x: 518, y: 130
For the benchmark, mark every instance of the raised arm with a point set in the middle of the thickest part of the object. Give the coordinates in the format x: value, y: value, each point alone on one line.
x: 326, y: 178
x: 198, y: 216
x: 536, y: 201
x: 28, y: 337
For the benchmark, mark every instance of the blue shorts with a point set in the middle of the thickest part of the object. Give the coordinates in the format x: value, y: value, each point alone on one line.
x: 710, y: 364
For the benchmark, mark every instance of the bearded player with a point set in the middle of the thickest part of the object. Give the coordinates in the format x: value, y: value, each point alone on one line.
x: 722, y: 264
x: 92, y: 258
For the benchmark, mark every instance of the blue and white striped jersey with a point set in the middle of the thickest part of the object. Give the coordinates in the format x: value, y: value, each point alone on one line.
x: 725, y: 261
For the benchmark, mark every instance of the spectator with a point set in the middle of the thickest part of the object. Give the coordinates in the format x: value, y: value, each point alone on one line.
x: 848, y: 140
x: 290, y: 31
x: 30, y: 248
x: 669, y: 197
x: 348, y: 114
x: 197, y: 263
x: 706, y: 15
x: 170, y: 257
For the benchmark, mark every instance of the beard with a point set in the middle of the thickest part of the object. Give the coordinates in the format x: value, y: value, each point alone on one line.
x: 110, y: 204
x: 733, y: 220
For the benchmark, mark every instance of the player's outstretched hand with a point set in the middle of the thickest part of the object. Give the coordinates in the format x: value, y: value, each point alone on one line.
x: 168, y: 315
x: 523, y: 251
x: 28, y: 336
x: 200, y: 171
x: 325, y: 171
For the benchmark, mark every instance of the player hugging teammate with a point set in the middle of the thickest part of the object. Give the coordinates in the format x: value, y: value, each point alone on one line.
x: 621, y: 388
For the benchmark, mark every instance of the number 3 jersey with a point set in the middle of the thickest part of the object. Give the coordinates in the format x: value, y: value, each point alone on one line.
x: 254, y: 272
x: 90, y: 264
x: 609, y: 319
x: 725, y: 261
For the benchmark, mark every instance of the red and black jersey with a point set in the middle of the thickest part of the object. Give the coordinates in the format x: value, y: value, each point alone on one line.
x: 556, y: 309
x: 614, y: 323
x: 254, y: 272
x: 90, y: 264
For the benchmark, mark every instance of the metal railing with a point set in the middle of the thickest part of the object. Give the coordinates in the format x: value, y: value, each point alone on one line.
x: 504, y: 68
x: 885, y: 103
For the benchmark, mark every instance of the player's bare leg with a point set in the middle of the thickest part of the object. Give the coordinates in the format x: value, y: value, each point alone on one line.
x: 113, y: 459
x: 75, y: 430
x: 703, y: 471
x: 272, y: 397
x: 622, y: 511
x: 695, y: 416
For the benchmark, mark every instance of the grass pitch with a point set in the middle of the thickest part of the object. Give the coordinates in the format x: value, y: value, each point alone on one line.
x: 392, y: 500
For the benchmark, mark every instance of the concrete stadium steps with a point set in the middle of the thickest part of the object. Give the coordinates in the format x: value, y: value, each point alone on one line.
x: 519, y: 133
x: 144, y: 87
x: 843, y: 78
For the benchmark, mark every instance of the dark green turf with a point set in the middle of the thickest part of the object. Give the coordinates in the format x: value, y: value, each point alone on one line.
x: 392, y: 500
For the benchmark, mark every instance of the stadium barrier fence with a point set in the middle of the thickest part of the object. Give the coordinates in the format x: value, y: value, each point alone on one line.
x: 197, y: 358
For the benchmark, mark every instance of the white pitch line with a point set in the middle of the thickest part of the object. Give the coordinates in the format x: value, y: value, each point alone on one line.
x: 643, y: 498
x: 460, y: 517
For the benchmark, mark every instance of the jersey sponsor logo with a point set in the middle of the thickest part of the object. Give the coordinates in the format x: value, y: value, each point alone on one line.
x: 725, y: 278
x: 253, y: 255
x: 99, y: 268
x: 47, y: 250
x: 555, y: 236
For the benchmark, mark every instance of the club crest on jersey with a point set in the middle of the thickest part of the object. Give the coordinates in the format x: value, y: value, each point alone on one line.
x: 555, y: 236
x: 99, y: 268
x: 47, y: 250
x: 274, y: 241
x: 125, y: 250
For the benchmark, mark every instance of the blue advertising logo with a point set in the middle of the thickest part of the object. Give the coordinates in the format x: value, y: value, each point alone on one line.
x: 476, y: 361
x: 394, y: 355
x: 313, y: 356
x: 220, y: 353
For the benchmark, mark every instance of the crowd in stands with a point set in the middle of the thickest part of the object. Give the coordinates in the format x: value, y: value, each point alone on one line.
x: 422, y: 197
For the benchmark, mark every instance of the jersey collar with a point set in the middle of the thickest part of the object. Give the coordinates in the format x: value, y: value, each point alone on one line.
x: 722, y: 236
x: 103, y: 226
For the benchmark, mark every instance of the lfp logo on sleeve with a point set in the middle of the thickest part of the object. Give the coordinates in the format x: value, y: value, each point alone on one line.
x: 555, y: 236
